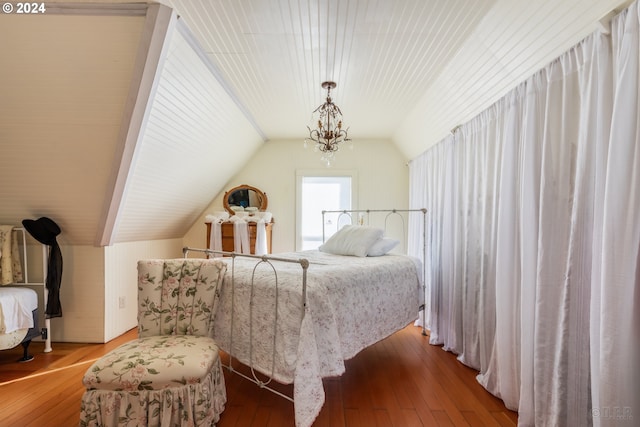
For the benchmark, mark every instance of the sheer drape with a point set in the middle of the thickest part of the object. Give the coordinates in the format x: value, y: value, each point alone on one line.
x: 534, y: 238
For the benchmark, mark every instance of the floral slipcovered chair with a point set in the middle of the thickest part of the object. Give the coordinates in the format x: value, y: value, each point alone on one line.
x: 171, y: 375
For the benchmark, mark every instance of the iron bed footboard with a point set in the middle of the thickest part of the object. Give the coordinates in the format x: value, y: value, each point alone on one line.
x: 304, y: 264
x: 260, y: 259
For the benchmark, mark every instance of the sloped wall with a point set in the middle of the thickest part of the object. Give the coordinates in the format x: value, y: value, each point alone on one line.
x: 194, y: 137
x: 64, y: 80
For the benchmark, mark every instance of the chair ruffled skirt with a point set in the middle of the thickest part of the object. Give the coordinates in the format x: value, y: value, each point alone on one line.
x: 154, y: 398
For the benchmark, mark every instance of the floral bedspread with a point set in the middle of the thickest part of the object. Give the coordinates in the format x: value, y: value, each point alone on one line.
x: 351, y: 303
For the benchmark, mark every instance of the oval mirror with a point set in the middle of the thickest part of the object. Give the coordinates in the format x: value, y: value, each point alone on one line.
x: 245, y: 196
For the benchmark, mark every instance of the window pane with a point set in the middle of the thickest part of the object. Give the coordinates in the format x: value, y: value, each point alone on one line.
x: 318, y: 194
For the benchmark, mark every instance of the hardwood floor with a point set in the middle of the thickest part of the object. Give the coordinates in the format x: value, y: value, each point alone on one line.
x: 400, y: 381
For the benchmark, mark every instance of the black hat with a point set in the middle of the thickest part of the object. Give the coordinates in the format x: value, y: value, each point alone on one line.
x: 44, y: 230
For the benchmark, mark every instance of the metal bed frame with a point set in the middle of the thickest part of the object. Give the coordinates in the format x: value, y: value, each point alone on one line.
x: 390, y: 213
x: 45, y: 333
x: 261, y: 259
x: 304, y: 264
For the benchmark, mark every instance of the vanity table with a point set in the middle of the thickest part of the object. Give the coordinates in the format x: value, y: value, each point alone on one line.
x: 237, y: 200
x: 227, y: 236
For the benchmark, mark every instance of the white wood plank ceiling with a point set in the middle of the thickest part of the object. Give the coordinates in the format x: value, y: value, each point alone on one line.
x: 409, y: 70
x: 382, y: 54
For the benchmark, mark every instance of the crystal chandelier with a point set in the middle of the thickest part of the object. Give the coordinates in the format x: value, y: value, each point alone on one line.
x: 329, y: 132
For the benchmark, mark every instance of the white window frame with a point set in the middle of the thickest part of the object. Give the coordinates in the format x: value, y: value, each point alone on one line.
x: 302, y: 173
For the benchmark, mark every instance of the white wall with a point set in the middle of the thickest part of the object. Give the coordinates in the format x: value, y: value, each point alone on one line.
x: 81, y: 291
x: 121, y: 280
x: 93, y: 281
x: 383, y: 182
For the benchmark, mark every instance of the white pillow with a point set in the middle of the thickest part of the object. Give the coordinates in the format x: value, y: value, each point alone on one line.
x: 382, y: 246
x: 352, y: 240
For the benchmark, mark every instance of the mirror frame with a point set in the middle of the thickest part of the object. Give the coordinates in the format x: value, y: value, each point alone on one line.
x: 262, y: 196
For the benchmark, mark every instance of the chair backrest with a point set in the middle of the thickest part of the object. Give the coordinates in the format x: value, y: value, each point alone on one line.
x: 178, y: 296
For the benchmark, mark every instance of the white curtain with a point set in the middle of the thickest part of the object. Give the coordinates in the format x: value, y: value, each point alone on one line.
x: 534, y: 237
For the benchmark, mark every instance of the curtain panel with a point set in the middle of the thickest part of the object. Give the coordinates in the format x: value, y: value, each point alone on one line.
x: 534, y: 237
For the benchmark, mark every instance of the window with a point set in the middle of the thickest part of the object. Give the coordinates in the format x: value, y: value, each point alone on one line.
x: 317, y: 193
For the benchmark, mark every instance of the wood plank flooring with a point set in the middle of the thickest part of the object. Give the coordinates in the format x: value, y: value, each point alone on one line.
x: 400, y: 381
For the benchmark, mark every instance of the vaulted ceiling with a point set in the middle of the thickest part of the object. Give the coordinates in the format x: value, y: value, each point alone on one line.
x: 406, y: 70
x: 409, y: 70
